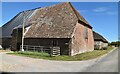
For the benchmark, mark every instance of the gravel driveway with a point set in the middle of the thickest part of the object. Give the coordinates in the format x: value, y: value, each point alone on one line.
x: 12, y: 63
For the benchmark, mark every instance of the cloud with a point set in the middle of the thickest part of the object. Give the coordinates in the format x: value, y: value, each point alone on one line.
x: 107, y: 13
x: 104, y: 11
x: 100, y: 9
x: 112, y: 13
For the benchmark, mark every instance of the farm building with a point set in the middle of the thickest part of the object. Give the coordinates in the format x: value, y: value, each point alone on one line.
x: 99, y: 41
x: 54, y: 26
x: 9, y: 26
x: 0, y: 38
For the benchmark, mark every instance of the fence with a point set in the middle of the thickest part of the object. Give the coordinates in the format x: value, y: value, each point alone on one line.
x: 53, y: 51
x: 35, y: 48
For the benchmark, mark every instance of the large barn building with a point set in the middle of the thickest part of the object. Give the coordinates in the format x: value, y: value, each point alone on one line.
x: 57, y: 26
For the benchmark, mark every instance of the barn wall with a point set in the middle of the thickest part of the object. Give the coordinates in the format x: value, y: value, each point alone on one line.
x: 104, y: 44
x: 79, y: 43
x: 16, y: 39
x: 17, y: 36
x: 62, y: 42
x: 100, y: 44
x: 6, y: 42
x: 97, y: 44
x: 0, y: 35
x: 0, y: 41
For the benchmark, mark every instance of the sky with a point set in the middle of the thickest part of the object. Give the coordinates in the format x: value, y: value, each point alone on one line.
x: 102, y: 16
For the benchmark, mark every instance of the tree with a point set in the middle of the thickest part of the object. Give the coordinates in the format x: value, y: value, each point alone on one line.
x: 116, y: 43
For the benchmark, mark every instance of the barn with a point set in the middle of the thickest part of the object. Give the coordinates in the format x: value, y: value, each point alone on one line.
x: 59, y: 25
x: 99, y: 41
x: 9, y: 26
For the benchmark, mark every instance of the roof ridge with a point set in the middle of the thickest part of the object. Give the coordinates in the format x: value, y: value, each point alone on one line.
x: 73, y: 9
x: 77, y: 13
x: 30, y: 9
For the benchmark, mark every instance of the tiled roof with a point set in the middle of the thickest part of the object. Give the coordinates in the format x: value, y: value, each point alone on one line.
x: 98, y: 37
x: 57, y: 21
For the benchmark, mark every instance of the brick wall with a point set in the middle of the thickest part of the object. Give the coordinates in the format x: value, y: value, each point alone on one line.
x: 79, y: 43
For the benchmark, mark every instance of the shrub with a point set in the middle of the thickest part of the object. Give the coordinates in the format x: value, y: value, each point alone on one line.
x: 104, y: 48
x: 97, y: 49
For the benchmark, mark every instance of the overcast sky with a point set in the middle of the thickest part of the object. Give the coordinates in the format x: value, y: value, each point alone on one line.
x: 102, y: 16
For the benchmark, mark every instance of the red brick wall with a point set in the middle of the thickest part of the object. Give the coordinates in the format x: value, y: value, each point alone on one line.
x: 78, y: 42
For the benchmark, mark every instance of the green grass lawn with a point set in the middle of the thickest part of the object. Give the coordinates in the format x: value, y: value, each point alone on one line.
x: 79, y: 57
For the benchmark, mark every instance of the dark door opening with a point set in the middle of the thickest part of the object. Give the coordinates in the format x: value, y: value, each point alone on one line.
x: 54, y: 42
x: 18, y: 46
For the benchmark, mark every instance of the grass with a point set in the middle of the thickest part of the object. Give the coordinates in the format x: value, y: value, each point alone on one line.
x: 1, y: 50
x: 79, y: 57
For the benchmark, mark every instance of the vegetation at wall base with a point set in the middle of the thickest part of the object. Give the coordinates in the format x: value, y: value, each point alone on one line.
x: 79, y: 57
x: 103, y: 48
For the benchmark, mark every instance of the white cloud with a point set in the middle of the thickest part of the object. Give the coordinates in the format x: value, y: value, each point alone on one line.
x: 112, y: 13
x: 100, y: 9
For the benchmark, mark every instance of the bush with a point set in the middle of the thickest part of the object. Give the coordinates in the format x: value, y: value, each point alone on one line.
x: 104, y: 48
x: 97, y: 49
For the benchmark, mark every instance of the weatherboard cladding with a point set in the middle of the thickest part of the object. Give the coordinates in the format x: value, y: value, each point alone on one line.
x: 98, y: 37
x: 57, y: 21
